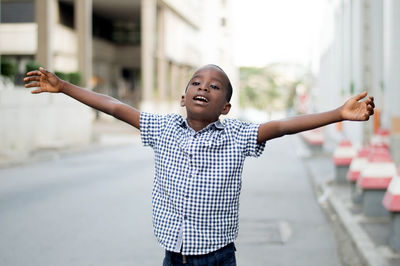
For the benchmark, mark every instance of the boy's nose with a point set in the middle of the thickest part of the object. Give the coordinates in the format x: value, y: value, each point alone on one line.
x: 203, y: 88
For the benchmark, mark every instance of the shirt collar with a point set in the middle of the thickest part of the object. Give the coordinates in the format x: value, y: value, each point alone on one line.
x: 217, y: 124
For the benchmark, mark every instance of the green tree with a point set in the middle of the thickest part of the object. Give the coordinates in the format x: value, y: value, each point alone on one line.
x: 271, y: 88
x: 8, y: 68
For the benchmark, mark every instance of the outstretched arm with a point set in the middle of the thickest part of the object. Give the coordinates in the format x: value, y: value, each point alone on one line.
x: 48, y: 82
x: 353, y: 109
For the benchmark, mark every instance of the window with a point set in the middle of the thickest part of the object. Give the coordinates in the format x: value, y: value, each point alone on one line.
x: 17, y: 12
x: 66, y: 11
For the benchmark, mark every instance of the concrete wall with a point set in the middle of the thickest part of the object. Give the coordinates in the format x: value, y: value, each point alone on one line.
x: 24, y: 42
x: 24, y: 36
x: 65, y: 49
x: 29, y: 122
x: 188, y: 10
x: 345, y: 66
x: 363, y: 54
x: 179, y: 41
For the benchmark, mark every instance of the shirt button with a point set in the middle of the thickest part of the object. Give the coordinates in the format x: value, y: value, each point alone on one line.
x: 190, y: 156
x: 185, y: 217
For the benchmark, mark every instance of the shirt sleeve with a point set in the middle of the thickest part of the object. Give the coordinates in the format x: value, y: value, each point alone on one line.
x: 247, y: 139
x: 151, y: 127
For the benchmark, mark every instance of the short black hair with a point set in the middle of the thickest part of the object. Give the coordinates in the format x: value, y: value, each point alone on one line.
x: 230, y: 88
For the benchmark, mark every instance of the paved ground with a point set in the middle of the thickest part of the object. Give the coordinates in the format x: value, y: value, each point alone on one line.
x: 87, y: 209
x: 94, y: 208
x: 281, y: 222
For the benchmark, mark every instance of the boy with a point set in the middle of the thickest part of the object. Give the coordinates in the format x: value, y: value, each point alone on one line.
x: 199, y: 159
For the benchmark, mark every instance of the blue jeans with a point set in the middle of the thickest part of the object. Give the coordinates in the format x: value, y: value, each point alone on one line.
x: 221, y: 257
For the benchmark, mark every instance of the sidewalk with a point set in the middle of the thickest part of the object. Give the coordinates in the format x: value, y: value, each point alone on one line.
x: 369, y: 235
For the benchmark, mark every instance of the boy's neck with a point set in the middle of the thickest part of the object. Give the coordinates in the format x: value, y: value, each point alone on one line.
x: 198, y: 125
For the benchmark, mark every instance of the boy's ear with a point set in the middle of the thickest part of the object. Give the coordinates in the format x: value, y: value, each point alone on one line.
x: 226, y: 109
x: 183, y: 101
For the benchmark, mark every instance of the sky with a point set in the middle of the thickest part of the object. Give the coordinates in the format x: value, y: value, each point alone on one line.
x: 268, y: 31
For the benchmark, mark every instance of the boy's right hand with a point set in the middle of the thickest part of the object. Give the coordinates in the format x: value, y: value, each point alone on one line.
x: 45, y: 80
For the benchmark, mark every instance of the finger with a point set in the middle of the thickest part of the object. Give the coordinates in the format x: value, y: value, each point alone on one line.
x: 36, y: 91
x: 34, y: 73
x: 373, y: 104
x: 32, y: 85
x: 44, y: 71
x: 34, y: 78
x: 370, y: 101
x: 360, y: 96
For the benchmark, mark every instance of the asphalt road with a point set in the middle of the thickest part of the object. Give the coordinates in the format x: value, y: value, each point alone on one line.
x: 94, y: 208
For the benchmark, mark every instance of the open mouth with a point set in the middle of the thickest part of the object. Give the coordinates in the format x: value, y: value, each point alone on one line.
x: 200, y: 98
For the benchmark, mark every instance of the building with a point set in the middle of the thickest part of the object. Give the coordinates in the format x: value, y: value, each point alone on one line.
x: 361, y: 52
x: 139, y: 51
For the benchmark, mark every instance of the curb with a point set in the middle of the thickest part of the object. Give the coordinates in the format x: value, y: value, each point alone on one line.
x: 361, y: 241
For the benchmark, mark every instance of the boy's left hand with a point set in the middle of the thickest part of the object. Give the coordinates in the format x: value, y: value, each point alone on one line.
x: 355, y: 110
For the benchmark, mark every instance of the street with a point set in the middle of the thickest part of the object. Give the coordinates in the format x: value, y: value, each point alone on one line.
x: 94, y: 208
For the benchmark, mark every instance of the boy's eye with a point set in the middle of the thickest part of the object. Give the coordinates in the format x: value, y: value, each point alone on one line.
x: 195, y: 83
x: 214, y: 87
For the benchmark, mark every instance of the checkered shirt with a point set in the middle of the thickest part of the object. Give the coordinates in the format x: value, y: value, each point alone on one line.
x: 197, y: 180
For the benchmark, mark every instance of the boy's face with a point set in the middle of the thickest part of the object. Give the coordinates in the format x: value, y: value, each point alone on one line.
x: 205, y: 97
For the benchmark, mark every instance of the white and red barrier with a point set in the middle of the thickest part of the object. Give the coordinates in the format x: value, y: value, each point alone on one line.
x: 391, y: 201
x: 314, y: 139
x: 379, y: 170
x: 344, y: 153
x: 381, y: 138
x: 374, y: 180
x: 358, y: 164
x: 342, y: 157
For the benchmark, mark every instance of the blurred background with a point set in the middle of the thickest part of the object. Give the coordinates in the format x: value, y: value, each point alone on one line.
x: 283, y: 57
